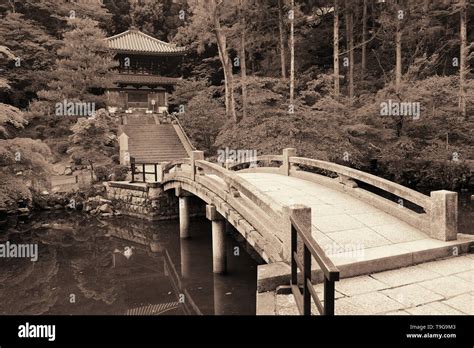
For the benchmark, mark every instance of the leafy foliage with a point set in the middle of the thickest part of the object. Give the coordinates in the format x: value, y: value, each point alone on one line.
x: 93, y: 139
x: 84, y: 66
x: 203, y: 115
x: 35, y: 50
x: 10, y: 116
x: 24, y: 167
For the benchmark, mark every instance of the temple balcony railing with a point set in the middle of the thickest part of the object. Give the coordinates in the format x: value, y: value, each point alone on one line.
x: 138, y: 71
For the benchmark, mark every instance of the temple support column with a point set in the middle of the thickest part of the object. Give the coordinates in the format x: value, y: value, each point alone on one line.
x: 219, y: 257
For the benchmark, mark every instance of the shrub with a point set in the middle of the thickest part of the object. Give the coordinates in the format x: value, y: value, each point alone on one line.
x: 102, y: 173
x: 115, y: 159
x: 29, y: 156
x: 427, y: 175
x: 62, y: 147
x: 40, y: 131
x: 12, y: 116
x: 6, y: 158
x: 77, y: 159
x: 57, y: 131
x: 120, y: 173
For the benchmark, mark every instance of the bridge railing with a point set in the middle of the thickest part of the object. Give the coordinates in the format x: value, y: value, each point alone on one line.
x: 165, y: 167
x: 236, y: 186
x: 301, y: 238
x: 263, y: 215
x: 196, y: 167
x: 269, y: 160
x: 140, y: 171
x: 183, y: 135
x: 438, y: 216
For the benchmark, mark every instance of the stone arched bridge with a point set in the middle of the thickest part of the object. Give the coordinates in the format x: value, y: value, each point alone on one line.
x: 356, y: 223
x: 257, y: 202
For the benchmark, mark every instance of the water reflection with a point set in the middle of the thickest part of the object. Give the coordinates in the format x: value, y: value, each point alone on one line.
x: 122, y: 266
x: 466, y: 213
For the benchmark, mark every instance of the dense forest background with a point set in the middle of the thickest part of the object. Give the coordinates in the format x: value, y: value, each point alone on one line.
x: 259, y: 75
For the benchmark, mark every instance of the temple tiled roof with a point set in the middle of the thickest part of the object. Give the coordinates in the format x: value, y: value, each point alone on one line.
x: 134, y: 41
x: 144, y: 79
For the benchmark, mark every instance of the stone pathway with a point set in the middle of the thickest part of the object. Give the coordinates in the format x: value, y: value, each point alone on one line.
x: 442, y: 287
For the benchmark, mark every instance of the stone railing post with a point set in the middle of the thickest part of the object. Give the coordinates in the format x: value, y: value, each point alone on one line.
x: 123, y: 145
x: 160, y: 171
x: 444, y: 215
x: 195, y: 156
x: 304, y: 213
x: 287, y: 153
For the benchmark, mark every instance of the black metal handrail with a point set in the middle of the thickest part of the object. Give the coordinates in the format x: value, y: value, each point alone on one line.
x: 133, y: 167
x: 330, y: 271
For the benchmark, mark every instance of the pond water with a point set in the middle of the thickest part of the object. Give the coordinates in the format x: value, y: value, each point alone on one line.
x: 84, y: 266
x: 466, y: 213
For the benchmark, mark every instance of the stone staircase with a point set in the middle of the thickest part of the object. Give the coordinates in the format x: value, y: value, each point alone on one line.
x: 150, y: 142
x: 138, y: 119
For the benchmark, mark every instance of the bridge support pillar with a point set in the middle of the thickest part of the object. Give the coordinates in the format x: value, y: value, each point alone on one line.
x: 219, y: 257
x: 184, y: 217
x: 183, y: 213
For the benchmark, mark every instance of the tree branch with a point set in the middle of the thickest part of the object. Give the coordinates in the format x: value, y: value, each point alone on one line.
x: 362, y: 43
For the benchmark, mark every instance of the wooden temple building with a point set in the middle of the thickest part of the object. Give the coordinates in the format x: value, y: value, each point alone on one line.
x: 148, y: 72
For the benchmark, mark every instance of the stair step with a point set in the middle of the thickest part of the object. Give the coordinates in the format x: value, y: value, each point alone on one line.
x: 132, y: 149
x: 155, y: 145
x: 174, y: 147
x: 147, y: 137
x: 137, y: 154
x: 152, y: 143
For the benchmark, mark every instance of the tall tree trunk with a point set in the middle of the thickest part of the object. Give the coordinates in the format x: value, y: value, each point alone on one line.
x: 227, y: 67
x: 292, y: 64
x: 336, y: 48
x: 463, y: 58
x: 398, y: 49
x: 221, y: 48
x: 281, y: 27
x: 230, y: 79
x: 12, y: 5
x: 364, y: 37
x: 350, y: 46
x: 398, y: 65
x: 243, y: 64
